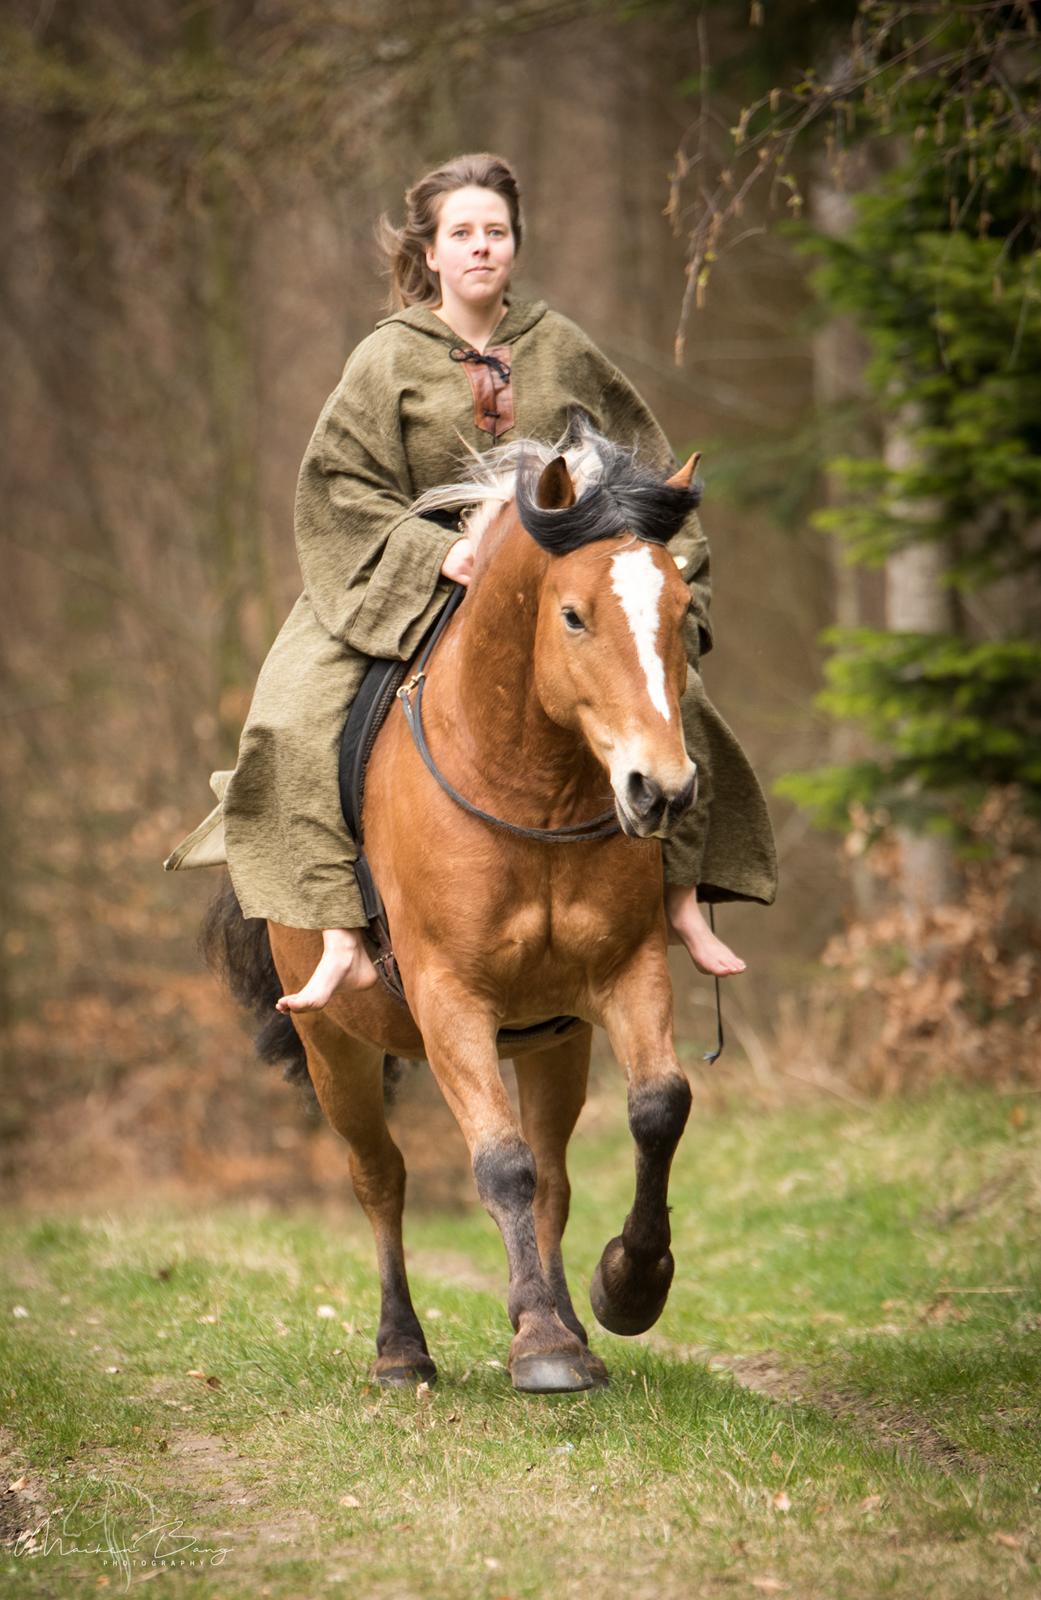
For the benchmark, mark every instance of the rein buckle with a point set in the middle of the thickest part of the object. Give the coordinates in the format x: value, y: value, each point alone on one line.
x: 407, y: 688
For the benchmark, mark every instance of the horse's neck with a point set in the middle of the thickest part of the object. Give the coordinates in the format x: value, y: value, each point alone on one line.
x: 497, y: 718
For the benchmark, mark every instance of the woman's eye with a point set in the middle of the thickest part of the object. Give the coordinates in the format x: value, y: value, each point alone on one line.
x: 572, y: 621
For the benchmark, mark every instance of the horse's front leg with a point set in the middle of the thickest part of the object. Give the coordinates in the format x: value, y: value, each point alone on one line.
x: 631, y: 1284
x: 551, y: 1087
x: 545, y: 1356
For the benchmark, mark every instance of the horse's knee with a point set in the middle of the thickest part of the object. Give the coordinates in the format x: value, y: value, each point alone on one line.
x: 658, y: 1114
x: 505, y: 1176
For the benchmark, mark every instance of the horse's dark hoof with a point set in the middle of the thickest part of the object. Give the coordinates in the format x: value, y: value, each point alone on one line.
x: 551, y: 1374
x: 403, y: 1372
x: 628, y: 1299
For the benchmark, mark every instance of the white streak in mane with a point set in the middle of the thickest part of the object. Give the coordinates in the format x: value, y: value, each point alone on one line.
x: 492, y: 480
x: 638, y: 584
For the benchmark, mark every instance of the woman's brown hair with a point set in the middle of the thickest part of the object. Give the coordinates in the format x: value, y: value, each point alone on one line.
x: 412, y: 282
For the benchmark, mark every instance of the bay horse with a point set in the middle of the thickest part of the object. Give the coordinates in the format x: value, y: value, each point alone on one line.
x: 553, y: 691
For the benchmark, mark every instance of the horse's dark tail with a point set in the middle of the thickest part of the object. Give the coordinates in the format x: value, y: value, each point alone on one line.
x: 238, y: 951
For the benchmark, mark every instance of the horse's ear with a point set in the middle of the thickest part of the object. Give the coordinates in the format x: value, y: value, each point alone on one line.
x: 685, y: 476
x: 555, y: 491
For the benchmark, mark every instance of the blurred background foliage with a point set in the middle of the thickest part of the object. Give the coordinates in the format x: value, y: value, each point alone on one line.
x: 808, y: 234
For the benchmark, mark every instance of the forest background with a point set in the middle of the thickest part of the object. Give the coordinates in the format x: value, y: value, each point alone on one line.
x: 808, y: 233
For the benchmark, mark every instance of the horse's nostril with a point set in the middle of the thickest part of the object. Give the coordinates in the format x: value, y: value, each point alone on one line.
x: 644, y: 794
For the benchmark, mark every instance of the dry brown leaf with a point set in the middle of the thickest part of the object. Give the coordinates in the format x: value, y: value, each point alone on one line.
x: 351, y: 1501
x: 768, y: 1585
x: 871, y: 1503
x: 1009, y: 1540
x: 19, y: 1483
x: 782, y: 1501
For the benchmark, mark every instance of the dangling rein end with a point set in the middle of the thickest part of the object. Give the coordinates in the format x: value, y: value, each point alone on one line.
x: 712, y: 1056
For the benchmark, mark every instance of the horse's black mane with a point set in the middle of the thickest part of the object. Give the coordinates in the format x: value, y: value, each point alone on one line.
x: 626, y: 497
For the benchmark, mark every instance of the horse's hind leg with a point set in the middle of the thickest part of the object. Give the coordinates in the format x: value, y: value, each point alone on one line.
x: 632, y: 1282
x: 552, y: 1087
x: 348, y: 1080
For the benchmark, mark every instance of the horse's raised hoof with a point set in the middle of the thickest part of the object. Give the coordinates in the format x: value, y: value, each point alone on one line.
x: 552, y: 1374
x: 628, y: 1298
x: 404, y: 1372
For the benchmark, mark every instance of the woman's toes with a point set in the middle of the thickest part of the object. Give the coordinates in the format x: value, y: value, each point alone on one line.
x: 716, y: 960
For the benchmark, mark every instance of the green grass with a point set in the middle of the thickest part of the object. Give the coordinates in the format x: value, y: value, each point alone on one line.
x: 889, y: 1444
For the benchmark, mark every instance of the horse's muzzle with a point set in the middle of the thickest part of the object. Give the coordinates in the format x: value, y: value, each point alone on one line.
x: 648, y: 810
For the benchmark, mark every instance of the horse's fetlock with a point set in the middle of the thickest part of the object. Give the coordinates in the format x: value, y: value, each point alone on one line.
x: 505, y: 1176
x: 658, y: 1114
x: 645, y: 1247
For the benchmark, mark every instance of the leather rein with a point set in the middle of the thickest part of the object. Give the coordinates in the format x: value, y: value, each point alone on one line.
x: 411, y: 696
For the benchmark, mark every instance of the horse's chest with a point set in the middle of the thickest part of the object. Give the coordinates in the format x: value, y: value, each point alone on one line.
x: 571, y: 932
x: 554, y: 946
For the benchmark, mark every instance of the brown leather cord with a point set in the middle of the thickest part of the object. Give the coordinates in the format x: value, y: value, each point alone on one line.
x: 490, y: 379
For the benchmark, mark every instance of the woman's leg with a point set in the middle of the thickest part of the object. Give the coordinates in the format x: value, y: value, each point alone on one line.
x: 289, y: 853
x: 725, y: 841
x: 345, y: 964
x: 687, y: 926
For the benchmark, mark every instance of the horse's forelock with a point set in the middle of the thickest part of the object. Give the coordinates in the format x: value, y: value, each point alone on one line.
x: 624, y: 496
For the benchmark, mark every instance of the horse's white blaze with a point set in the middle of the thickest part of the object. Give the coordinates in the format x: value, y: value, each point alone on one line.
x: 638, y: 584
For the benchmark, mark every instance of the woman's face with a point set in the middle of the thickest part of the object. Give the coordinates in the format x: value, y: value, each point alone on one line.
x: 473, y: 248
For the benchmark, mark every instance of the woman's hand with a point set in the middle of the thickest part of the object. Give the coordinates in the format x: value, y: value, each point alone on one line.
x: 459, y: 562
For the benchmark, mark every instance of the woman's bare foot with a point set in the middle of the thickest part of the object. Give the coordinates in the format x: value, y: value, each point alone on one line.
x: 345, y: 963
x: 687, y: 926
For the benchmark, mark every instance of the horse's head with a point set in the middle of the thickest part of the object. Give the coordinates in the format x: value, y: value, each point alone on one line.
x: 609, y: 659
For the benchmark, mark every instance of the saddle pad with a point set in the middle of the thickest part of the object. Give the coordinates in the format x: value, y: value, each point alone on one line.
x: 364, y: 721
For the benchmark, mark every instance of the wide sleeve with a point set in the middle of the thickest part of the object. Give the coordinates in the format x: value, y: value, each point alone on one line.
x: 371, y: 569
x: 626, y: 418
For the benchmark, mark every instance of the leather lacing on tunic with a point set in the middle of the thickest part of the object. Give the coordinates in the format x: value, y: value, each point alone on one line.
x: 490, y: 379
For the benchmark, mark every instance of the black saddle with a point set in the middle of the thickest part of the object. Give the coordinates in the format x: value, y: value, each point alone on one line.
x: 366, y: 717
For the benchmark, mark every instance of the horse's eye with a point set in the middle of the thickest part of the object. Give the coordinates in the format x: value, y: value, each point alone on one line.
x: 572, y: 621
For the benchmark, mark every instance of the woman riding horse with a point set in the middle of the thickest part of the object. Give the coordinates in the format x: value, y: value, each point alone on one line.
x: 522, y: 913
x: 457, y: 360
x: 569, y: 677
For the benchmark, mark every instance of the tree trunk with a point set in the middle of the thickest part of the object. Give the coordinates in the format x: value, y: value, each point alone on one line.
x: 839, y: 358
x: 919, y: 601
